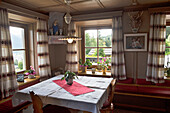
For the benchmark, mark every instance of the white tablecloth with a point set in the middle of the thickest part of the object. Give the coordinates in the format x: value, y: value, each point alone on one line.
x: 51, y: 93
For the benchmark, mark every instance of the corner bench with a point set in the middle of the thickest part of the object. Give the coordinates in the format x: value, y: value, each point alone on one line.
x: 6, y: 104
x: 143, y: 94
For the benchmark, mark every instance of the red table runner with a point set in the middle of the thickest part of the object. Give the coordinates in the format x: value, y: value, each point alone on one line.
x: 75, y: 89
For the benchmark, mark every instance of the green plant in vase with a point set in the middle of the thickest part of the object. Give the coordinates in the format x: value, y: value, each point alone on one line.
x: 85, y: 65
x: 31, y: 73
x: 104, y: 63
x: 69, y: 76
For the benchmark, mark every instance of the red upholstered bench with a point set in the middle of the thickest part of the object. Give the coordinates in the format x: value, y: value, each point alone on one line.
x: 160, y: 90
x: 6, y: 106
x: 143, y: 94
x: 127, y: 81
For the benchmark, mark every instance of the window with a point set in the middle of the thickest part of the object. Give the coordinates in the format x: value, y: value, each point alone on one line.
x: 98, y: 44
x: 167, y: 48
x: 18, y: 47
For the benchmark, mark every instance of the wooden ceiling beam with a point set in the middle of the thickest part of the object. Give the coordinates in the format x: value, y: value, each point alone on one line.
x: 126, y: 9
x: 22, y: 11
x: 100, y: 3
x: 146, y: 6
x: 80, y: 1
x: 65, y: 5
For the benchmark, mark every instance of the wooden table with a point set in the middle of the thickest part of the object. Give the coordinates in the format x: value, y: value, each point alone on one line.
x: 51, y: 93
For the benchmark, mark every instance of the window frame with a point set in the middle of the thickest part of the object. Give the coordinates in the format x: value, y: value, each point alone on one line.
x: 83, y: 41
x: 25, y: 27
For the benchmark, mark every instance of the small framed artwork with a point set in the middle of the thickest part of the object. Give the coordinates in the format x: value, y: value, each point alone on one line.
x: 135, y: 42
x: 20, y: 77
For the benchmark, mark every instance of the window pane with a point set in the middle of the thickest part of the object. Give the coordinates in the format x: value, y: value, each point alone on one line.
x: 19, y: 60
x: 104, y: 36
x: 17, y: 37
x: 167, y: 32
x: 167, y: 50
x: 90, y: 38
x: 105, y: 52
x: 91, y: 54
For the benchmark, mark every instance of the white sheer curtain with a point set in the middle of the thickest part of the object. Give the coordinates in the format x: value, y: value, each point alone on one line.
x: 8, y: 83
x: 118, y: 61
x: 42, y: 50
x: 156, y: 54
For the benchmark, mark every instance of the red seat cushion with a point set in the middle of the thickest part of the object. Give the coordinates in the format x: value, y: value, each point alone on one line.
x: 6, y: 107
x: 154, y: 91
x: 127, y: 81
x: 55, y: 109
x: 126, y: 88
x: 143, y: 82
x: 166, y: 83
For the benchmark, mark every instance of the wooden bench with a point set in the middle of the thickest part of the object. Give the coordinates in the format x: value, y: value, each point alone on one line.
x: 6, y: 104
x: 143, y: 94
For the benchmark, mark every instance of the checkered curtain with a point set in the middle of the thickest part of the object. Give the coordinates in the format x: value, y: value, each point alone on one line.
x: 8, y: 83
x: 42, y: 50
x: 72, y: 51
x: 118, y: 61
x: 156, y: 54
x: 72, y: 57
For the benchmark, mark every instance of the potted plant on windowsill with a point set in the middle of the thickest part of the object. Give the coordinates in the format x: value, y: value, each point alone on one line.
x: 31, y: 73
x: 69, y: 76
x: 85, y: 65
x: 104, y: 63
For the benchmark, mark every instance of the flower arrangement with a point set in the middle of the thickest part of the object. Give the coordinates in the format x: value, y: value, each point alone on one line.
x: 69, y: 76
x: 86, y: 64
x: 104, y: 63
x: 30, y: 72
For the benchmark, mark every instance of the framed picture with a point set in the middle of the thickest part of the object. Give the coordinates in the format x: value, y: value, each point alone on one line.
x: 135, y: 42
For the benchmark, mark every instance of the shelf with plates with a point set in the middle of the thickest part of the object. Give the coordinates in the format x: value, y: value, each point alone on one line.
x: 54, y: 39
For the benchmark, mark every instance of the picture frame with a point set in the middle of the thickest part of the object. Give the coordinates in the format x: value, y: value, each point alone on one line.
x: 20, y: 77
x: 135, y: 42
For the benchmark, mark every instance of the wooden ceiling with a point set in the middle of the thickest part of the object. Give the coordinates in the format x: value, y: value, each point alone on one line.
x: 79, y: 6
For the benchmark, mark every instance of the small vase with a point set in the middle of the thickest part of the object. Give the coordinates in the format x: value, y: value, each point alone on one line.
x: 69, y: 81
x: 104, y: 70
x: 31, y: 76
x: 93, y: 70
x: 168, y: 72
x: 83, y: 69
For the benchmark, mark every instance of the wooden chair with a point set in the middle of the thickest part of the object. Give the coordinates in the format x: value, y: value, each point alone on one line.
x: 38, y: 106
x: 108, y: 108
x: 6, y: 106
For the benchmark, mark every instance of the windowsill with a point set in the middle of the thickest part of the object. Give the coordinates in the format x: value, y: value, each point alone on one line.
x: 96, y: 74
x: 28, y: 80
x: 21, y: 72
x: 167, y: 78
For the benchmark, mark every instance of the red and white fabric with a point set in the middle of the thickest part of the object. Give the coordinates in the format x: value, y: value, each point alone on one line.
x: 8, y: 83
x: 156, y: 54
x: 72, y: 57
x: 42, y: 50
x: 72, y: 51
x: 118, y: 61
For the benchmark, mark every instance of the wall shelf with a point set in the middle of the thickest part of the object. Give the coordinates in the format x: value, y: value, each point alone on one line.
x: 54, y: 39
